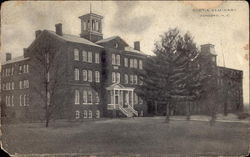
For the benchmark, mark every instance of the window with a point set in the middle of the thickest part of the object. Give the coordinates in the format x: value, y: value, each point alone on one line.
x: 113, y: 59
x: 12, y: 100
x: 131, y: 63
x: 77, y: 114
x: 140, y: 80
x: 97, y: 58
x: 113, y: 77
x: 89, y: 96
x: 140, y: 64
x: 85, y: 96
x: 20, y: 100
x: 77, y: 98
x: 118, y: 77
x: 135, y: 79
x: 13, y: 85
x: 118, y: 60
x: 20, y: 84
x: 90, y: 76
x: 90, y: 57
x: 126, y: 79
x: 84, y: 75
x: 131, y: 79
x: 97, y: 114
x: 84, y: 56
x: 97, y: 99
x: 27, y: 100
x: 27, y: 66
x: 90, y: 114
x: 24, y: 100
x: 76, y: 54
x: 12, y: 70
x: 76, y: 74
x: 20, y: 69
x: 6, y: 100
x: 135, y: 63
x: 85, y: 114
x: 126, y: 62
x: 97, y: 76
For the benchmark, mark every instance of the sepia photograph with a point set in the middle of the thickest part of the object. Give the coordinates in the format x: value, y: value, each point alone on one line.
x: 124, y: 78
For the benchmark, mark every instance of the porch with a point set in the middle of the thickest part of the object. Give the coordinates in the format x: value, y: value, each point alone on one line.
x: 122, y: 99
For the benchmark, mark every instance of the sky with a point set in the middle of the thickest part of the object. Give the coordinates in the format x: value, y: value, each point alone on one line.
x: 142, y: 21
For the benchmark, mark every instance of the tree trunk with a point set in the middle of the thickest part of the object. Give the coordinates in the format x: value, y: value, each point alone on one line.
x: 167, y: 113
x: 47, y: 122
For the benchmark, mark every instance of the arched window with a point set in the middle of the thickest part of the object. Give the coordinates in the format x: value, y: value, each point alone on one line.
x: 77, y: 114
x: 90, y: 96
x: 135, y: 63
x: 77, y: 97
x: 76, y: 74
x: 97, y: 58
x: 131, y: 63
x: 89, y: 75
x: 97, y: 76
x: 24, y: 100
x: 85, y: 97
x: 113, y: 77
x: 126, y: 62
x: 140, y: 64
x: 85, y: 114
x: 113, y: 59
x: 97, y: 99
x: 20, y: 100
x: 118, y: 77
x: 90, y: 57
x: 126, y: 79
x: 84, y: 75
x: 97, y: 114
x: 131, y: 79
x: 118, y: 60
x: 90, y: 114
x: 76, y: 54
x: 12, y: 100
x: 84, y: 56
x: 135, y: 79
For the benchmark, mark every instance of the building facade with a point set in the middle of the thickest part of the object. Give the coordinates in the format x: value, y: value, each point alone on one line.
x: 86, y: 76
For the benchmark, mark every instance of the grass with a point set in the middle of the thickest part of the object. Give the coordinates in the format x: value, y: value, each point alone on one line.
x: 127, y: 136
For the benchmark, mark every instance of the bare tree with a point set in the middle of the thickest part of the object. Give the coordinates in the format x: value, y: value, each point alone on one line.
x: 49, y: 76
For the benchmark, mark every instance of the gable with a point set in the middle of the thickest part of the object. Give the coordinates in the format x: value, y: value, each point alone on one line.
x: 113, y: 42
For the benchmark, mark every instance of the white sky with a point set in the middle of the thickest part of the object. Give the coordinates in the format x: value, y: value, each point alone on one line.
x: 143, y: 21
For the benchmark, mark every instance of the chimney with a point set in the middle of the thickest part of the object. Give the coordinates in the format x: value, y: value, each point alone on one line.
x: 8, y: 56
x: 137, y: 45
x: 59, y: 29
x: 208, y: 49
x: 38, y: 32
x: 25, y: 50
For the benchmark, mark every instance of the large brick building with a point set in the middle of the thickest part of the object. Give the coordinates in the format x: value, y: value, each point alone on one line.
x: 97, y: 76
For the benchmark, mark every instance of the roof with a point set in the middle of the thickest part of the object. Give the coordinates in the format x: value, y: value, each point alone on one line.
x: 16, y: 59
x: 74, y: 39
x: 107, y: 39
x: 131, y: 49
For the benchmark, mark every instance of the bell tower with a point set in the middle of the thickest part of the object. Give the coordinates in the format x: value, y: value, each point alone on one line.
x: 91, y: 27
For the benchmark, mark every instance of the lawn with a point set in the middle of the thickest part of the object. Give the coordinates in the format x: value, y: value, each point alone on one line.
x: 145, y: 136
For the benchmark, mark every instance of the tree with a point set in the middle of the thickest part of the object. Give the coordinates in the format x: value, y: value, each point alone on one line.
x: 49, y: 76
x: 172, y: 75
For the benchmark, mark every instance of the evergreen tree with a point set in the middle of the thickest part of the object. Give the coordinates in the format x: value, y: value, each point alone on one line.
x: 172, y: 75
